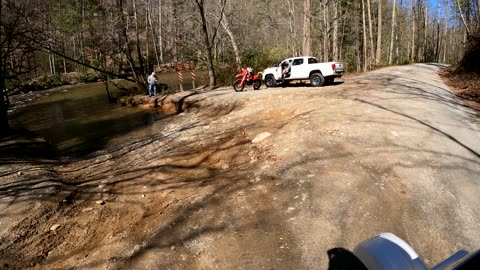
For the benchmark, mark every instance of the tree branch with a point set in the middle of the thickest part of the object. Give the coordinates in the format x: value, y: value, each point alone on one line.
x: 78, y: 61
x: 215, y: 30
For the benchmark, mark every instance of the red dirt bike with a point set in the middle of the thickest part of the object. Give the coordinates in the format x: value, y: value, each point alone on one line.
x: 247, y: 77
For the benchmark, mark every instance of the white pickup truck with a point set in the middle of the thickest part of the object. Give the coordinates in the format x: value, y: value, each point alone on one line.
x: 303, y: 68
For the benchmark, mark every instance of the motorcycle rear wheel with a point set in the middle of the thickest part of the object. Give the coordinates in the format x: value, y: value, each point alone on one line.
x: 238, y: 86
x: 257, y: 84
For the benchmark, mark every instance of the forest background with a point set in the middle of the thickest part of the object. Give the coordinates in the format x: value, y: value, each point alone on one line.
x: 40, y: 40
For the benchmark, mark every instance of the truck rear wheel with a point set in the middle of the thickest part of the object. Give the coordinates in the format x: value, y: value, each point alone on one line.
x: 270, y: 81
x: 317, y: 79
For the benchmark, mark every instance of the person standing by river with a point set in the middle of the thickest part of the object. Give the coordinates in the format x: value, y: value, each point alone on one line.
x: 152, y: 83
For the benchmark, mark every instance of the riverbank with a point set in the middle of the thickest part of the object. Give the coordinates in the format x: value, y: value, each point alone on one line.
x: 168, y: 104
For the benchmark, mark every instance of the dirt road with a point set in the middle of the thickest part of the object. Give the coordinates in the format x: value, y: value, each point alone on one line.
x: 269, y: 179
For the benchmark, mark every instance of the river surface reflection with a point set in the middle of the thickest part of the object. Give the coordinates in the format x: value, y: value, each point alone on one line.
x: 80, y: 120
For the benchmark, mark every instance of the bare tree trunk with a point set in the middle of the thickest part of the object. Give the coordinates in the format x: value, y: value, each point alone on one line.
x: 206, y: 38
x: 370, y: 32
x: 54, y: 70
x: 147, y: 44
x: 412, y: 56
x: 137, y: 36
x: 307, y: 14
x: 175, y: 30
x: 326, y: 29
x: 160, y: 33
x: 226, y: 27
x: 379, y: 35
x: 291, y: 26
x: 74, y: 54
x: 141, y: 80
x: 343, y: 32
x: 335, y: 31
x: 437, y: 46
x: 365, y: 58
x: 50, y: 65
x: 425, y: 35
x: 149, y: 16
x: 390, y: 55
x: 395, y: 44
x: 208, y: 46
x: 445, y: 39
x: 357, y: 38
x: 463, y: 18
x: 82, y: 51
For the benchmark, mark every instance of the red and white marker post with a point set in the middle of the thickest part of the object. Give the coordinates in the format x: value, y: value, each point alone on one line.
x: 182, y: 67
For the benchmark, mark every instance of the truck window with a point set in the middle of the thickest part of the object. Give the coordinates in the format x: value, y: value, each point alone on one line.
x: 297, y: 62
x: 312, y: 60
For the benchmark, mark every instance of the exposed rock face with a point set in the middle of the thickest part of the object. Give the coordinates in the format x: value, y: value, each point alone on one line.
x: 169, y: 104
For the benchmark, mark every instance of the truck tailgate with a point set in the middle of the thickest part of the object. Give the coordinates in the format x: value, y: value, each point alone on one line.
x: 338, y: 69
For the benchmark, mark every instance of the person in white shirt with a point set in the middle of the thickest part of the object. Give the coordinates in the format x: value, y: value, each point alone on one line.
x: 152, y: 83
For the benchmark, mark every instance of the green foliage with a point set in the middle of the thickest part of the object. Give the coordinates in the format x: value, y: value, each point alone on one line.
x: 88, y: 77
x: 47, y: 82
x: 261, y: 59
x: 55, y: 80
x: 406, y: 62
x: 38, y: 84
x: 225, y: 74
x: 349, y: 60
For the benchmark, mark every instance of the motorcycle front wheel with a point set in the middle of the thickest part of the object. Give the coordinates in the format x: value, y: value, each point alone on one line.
x: 238, y: 86
x: 257, y: 84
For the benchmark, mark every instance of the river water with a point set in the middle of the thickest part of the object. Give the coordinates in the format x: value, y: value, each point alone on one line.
x: 79, y: 120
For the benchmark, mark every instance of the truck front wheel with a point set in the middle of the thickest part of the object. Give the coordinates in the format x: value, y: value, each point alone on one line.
x: 316, y: 79
x: 270, y: 81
